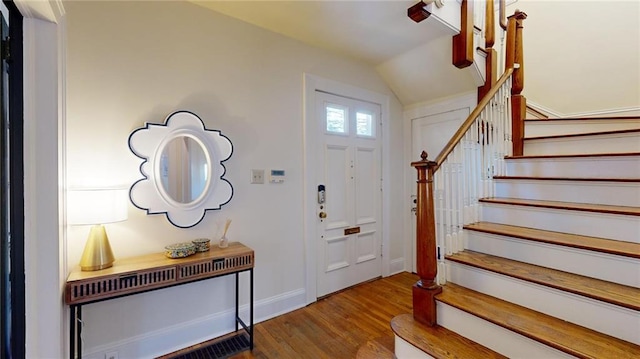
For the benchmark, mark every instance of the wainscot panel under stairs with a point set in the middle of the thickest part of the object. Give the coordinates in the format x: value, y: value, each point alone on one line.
x: 552, y: 267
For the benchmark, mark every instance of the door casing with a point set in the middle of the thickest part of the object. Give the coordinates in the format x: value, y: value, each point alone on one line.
x: 313, y: 83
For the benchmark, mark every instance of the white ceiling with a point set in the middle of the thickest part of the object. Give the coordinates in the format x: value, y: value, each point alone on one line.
x: 413, y: 58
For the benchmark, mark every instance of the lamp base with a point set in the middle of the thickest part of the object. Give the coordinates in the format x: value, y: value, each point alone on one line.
x: 97, y: 252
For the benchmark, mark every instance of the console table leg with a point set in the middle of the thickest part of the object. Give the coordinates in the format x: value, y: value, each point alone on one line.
x: 75, y: 332
x: 72, y: 332
x: 250, y: 308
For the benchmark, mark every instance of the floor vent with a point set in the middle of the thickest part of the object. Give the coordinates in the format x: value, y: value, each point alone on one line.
x: 218, y: 350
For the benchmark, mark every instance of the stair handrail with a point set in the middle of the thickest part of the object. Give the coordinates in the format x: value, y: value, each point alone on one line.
x: 466, y: 125
x: 487, y: 141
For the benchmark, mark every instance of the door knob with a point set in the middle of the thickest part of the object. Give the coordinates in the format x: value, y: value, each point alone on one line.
x: 323, y: 215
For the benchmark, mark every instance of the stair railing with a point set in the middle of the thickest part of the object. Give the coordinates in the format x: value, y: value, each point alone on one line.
x: 448, y: 199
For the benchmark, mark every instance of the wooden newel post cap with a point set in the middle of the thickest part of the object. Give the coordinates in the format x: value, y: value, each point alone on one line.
x: 424, y: 162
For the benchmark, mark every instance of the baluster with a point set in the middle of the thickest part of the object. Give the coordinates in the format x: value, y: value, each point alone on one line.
x: 501, y: 128
x: 454, y: 200
x: 460, y: 202
x: 468, y: 170
x: 440, y: 230
x: 476, y: 170
x: 447, y: 206
x: 494, y: 147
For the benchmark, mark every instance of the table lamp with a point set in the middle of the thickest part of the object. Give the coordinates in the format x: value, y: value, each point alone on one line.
x: 96, y: 207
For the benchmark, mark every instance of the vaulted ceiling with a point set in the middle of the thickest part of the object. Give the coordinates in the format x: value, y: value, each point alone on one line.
x: 413, y: 58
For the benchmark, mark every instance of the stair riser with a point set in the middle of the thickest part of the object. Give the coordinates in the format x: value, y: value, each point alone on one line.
x: 603, y: 266
x: 580, y: 167
x: 493, y: 336
x: 615, y: 143
x: 610, y: 193
x: 617, y: 227
x: 404, y: 350
x: 567, y: 127
x: 605, y: 318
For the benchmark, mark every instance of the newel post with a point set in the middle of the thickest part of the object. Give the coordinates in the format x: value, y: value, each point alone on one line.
x: 424, y: 291
x: 515, y: 58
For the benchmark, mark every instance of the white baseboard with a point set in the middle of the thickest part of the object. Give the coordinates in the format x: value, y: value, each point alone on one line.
x: 173, y: 338
x: 396, y: 266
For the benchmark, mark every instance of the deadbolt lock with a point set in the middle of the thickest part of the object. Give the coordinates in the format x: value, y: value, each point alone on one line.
x: 323, y: 215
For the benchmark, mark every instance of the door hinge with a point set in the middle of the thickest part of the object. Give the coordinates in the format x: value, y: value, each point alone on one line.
x: 5, y: 49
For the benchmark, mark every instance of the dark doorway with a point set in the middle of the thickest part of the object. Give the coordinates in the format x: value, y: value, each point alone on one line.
x: 12, y: 277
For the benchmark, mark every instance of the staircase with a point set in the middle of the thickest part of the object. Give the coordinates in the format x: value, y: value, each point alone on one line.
x: 552, y: 269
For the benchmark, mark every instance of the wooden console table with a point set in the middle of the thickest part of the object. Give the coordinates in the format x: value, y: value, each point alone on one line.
x: 141, y: 274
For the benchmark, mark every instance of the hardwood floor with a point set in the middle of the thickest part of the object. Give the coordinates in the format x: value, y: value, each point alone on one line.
x: 336, y: 326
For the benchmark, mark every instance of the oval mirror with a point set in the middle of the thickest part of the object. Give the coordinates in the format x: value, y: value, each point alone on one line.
x: 184, y: 169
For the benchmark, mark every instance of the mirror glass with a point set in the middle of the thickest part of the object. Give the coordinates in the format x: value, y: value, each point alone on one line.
x: 184, y: 169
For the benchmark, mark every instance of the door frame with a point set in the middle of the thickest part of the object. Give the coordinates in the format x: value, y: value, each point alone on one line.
x: 311, y: 84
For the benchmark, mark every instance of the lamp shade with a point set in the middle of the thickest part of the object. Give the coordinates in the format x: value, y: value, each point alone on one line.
x: 96, y: 205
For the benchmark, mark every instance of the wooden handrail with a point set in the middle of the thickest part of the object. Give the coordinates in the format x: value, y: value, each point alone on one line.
x: 469, y: 121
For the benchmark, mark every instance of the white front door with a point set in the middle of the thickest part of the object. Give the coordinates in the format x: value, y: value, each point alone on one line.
x: 349, y: 209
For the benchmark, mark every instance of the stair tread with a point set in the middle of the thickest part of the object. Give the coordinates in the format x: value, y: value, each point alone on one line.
x: 613, y: 293
x: 562, y: 335
x: 603, y: 245
x: 587, y: 207
x: 632, y: 180
x: 437, y: 341
x: 590, y: 155
x: 630, y: 118
x: 584, y: 134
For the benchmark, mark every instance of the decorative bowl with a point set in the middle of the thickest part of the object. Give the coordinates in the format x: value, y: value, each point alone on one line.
x: 180, y: 250
x: 202, y: 244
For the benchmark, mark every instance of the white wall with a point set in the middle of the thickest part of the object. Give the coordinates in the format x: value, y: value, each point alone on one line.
x: 582, y: 56
x: 131, y: 62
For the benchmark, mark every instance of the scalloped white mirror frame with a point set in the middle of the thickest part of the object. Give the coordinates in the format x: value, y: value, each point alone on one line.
x: 148, y: 193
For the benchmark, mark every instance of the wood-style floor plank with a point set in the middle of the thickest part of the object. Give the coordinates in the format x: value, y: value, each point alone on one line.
x: 603, y: 245
x: 339, y: 325
x: 562, y: 335
x: 617, y: 294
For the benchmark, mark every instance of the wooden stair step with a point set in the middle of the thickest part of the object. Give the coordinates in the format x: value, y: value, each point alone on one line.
x: 593, y: 155
x: 437, y: 341
x: 559, y: 334
x: 613, y: 293
x: 630, y: 118
x: 585, y: 134
x: 586, y: 207
x: 602, y: 245
x: 576, y: 179
x: 376, y: 349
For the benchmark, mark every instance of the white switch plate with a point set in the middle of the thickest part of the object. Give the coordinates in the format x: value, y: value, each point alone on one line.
x: 257, y: 176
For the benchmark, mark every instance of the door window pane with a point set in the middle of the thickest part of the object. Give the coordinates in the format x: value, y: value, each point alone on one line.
x: 337, y: 119
x: 364, y: 124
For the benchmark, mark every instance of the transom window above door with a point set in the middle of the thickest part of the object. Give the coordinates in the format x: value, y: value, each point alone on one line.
x: 339, y: 122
